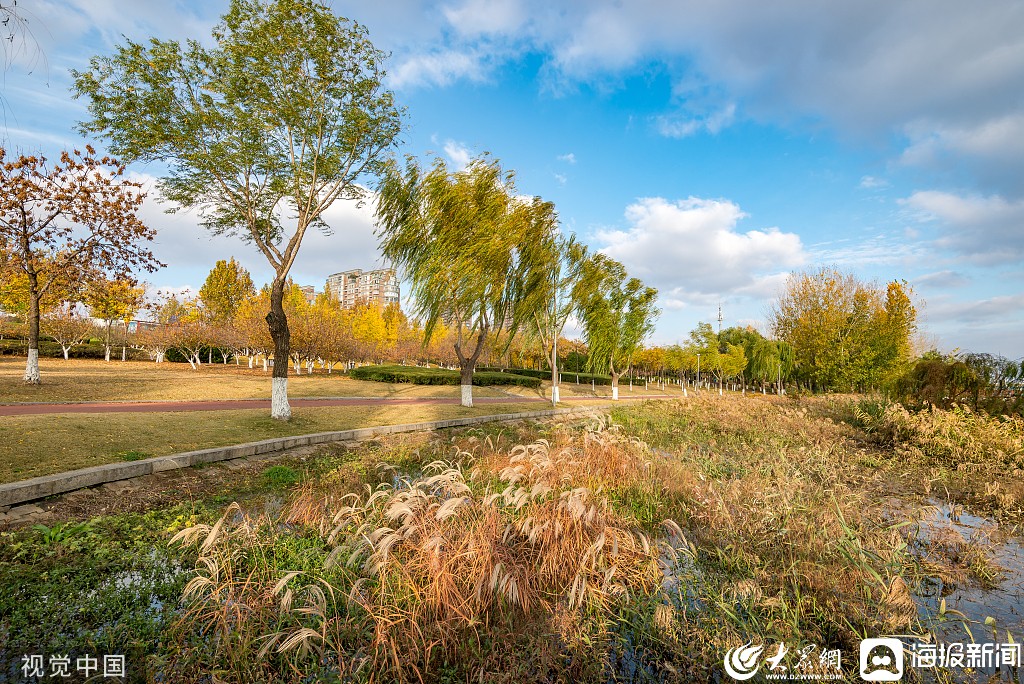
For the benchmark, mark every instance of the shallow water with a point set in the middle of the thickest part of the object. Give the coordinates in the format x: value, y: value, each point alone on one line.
x: 1004, y: 602
x: 973, y: 613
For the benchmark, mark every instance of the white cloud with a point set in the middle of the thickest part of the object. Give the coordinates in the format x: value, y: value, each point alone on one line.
x: 459, y: 154
x: 561, y: 178
x: 985, y: 229
x: 942, y: 73
x: 942, y: 280
x: 569, y: 158
x: 683, y: 125
x: 869, y: 250
x: 692, y: 252
x: 872, y: 183
x: 440, y: 68
x: 190, y: 251
x: 476, y: 17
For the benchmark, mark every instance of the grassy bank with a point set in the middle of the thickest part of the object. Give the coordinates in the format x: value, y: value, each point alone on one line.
x: 639, y: 548
x: 31, y: 446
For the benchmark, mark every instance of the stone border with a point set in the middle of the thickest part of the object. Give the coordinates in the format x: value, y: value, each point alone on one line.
x: 14, y: 493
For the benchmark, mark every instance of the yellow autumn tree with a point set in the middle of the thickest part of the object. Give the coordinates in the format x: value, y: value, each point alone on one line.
x: 846, y: 334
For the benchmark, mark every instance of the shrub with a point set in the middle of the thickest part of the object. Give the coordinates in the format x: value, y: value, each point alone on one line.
x: 280, y: 476
x: 567, y: 376
x: 437, y: 376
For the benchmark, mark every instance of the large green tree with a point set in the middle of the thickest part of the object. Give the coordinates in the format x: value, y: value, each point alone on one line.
x: 280, y: 117
x: 463, y: 240
x: 618, y: 313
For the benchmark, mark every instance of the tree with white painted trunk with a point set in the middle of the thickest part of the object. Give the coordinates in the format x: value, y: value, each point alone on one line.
x: 462, y: 239
x: 113, y: 301
x: 66, y: 222
x: 282, y: 116
x: 617, y: 316
x: 67, y: 326
x: 549, y: 306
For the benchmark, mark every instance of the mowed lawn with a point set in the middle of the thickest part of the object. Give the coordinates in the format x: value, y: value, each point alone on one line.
x: 31, y: 446
x: 88, y: 380
x: 78, y: 380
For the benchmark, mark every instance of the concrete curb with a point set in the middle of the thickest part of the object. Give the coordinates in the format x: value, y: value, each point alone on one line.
x: 14, y: 493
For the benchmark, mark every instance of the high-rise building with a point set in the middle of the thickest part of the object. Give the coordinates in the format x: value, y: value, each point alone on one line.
x: 309, y: 293
x: 357, y: 285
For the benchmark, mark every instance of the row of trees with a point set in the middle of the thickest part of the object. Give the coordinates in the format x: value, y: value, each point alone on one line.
x: 484, y: 260
x: 263, y: 157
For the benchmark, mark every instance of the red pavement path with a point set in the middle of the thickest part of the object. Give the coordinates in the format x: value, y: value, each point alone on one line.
x: 234, y: 404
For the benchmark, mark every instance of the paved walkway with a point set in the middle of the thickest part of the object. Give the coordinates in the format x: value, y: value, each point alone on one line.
x: 235, y: 404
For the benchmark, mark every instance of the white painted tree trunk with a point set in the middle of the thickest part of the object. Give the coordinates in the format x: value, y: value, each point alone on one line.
x: 106, y: 354
x: 554, y: 394
x: 250, y: 362
x: 685, y: 394
x: 66, y: 350
x: 279, y: 408
x: 467, y: 395
x: 264, y: 364
x: 615, y: 393
x: 32, y: 367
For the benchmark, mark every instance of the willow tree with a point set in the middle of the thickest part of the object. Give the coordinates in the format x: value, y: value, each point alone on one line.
x: 464, y: 242
x: 617, y: 314
x: 556, y: 292
x: 282, y: 116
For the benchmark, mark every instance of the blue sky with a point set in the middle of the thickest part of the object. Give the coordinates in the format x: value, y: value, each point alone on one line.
x: 712, y: 147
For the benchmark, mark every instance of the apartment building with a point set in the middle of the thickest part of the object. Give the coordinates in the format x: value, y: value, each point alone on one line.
x: 376, y: 287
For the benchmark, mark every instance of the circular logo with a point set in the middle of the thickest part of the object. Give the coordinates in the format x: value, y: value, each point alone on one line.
x: 741, y: 662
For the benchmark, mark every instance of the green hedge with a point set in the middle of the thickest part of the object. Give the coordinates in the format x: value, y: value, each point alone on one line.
x: 567, y: 376
x: 437, y: 376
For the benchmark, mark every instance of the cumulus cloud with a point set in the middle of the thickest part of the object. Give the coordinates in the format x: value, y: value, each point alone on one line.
x: 984, y: 229
x: 569, y: 158
x: 692, y: 251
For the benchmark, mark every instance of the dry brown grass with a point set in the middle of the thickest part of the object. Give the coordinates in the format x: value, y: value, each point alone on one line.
x: 415, y: 569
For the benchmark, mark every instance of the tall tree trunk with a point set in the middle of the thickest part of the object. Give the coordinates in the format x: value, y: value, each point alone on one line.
x: 106, y: 344
x: 615, y: 381
x: 278, y: 323
x: 467, y: 365
x: 32, y: 365
x: 555, y: 380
